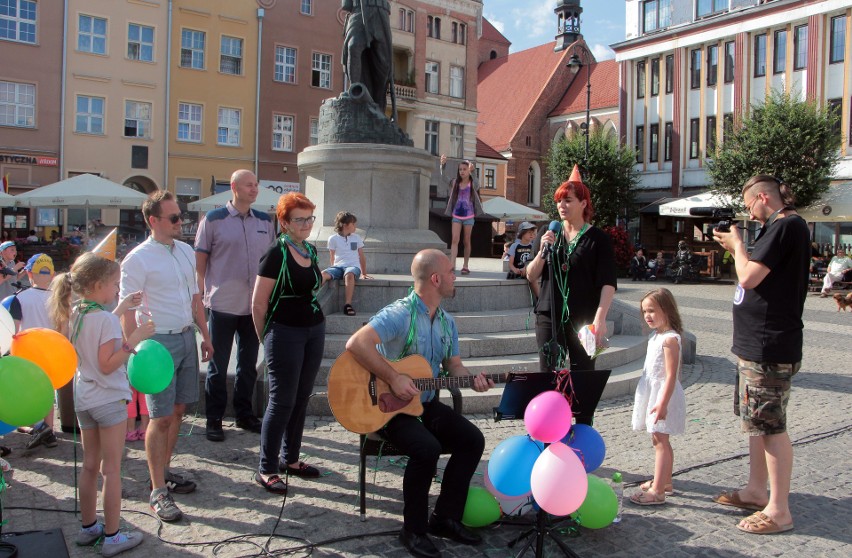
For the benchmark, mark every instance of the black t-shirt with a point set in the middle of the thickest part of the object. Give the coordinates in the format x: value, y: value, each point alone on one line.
x: 296, y: 305
x: 523, y: 254
x: 768, y: 318
x: 592, y: 266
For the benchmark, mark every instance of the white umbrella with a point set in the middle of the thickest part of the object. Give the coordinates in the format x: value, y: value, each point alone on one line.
x: 267, y: 200
x: 835, y: 206
x: 6, y: 200
x: 681, y: 207
x: 508, y: 210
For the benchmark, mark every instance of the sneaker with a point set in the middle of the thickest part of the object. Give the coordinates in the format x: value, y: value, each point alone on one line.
x: 50, y: 440
x: 165, y: 507
x: 120, y: 542
x: 177, y: 484
x: 42, y: 435
x: 214, y: 430
x: 88, y: 537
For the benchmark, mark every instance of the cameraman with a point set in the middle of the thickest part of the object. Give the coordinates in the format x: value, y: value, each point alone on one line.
x: 768, y: 305
x: 9, y: 269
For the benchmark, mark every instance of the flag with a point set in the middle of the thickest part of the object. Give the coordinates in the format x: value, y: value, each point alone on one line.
x: 6, y: 184
x: 106, y: 247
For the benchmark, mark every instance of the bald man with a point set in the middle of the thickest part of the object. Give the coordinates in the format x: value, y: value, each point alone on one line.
x: 228, y: 246
x: 416, y: 324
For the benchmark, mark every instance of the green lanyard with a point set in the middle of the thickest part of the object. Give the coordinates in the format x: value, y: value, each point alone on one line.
x: 412, y: 329
x: 83, y: 307
x: 284, y: 280
x: 561, y: 273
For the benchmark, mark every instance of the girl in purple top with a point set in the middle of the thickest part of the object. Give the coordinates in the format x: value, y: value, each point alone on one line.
x: 464, y: 205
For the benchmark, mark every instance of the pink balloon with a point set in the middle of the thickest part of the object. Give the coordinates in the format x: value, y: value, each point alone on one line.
x: 548, y: 417
x: 558, y: 480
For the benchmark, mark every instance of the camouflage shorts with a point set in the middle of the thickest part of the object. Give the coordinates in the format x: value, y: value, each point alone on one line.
x: 761, y: 396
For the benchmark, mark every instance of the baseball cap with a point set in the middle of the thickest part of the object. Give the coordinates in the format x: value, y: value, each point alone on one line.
x: 6, y: 244
x: 40, y: 264
x: 525, y: 226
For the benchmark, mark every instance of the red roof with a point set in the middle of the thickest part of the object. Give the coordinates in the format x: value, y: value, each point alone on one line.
x: 508, y: 89
x: 490, y: 33
x: 483, y: 150
x: 605, y: 91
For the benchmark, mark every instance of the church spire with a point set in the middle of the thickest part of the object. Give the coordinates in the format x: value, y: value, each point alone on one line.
x: 568, y: 23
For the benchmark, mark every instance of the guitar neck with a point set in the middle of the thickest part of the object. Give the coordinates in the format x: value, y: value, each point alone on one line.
x: 427, y: 384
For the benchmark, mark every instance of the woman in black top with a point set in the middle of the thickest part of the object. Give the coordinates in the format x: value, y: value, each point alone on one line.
x: 290, y: 323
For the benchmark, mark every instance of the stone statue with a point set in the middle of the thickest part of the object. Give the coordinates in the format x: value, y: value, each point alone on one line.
x: 368, y: 49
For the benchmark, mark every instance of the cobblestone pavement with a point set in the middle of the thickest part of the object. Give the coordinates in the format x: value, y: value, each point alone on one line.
x: 710, y: 457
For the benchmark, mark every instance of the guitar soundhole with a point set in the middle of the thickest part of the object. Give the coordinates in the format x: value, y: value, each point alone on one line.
x: 389, y: 403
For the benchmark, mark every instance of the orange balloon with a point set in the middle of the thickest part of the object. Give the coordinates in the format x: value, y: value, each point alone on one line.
x: 50, y: 350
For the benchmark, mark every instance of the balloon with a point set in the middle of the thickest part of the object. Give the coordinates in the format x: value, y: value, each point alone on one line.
x: 5, y: 428
x: 558, y: 480
x: 7, y: 330
x: 26, y: 394
x: 588, y: 444
x: 481, y: 508
x: 59, y: 363
x: 511, y: 463
x: 152, y: 368
x: 7, y: 302
x: 600, y: 506
x: 509, y: 505
x: 548, y: 417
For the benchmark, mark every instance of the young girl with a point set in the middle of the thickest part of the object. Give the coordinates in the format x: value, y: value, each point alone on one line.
x: 660, y: 405
x: 463, y: 206
x: 346, y: 250
x: 101, y: 388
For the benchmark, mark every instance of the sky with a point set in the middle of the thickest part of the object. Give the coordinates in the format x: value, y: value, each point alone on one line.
x: 529, y: 23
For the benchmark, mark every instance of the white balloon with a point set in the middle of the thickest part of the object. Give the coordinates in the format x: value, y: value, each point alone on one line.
x: 7, y: 330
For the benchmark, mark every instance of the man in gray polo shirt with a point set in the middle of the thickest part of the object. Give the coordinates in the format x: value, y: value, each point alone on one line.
x: 228, y: 246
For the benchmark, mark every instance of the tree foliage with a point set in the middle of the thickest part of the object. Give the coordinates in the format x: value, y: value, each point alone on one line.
x: 611, y: 174
x: 793, y: 140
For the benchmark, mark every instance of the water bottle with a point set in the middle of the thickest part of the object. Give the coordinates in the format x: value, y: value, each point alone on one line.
x: 618, y: 487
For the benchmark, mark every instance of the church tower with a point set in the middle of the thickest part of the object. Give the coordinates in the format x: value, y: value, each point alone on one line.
x: 568, y: 23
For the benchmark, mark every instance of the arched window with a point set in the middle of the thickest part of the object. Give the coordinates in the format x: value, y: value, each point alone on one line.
x: 534, y: 184
x: 493, y: 55
x: 560, y: 135
x: 609, y: 130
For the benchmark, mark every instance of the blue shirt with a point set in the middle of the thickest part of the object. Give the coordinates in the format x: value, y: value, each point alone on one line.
x: 434, y: 339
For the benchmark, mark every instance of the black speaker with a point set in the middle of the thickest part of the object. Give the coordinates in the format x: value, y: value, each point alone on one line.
x: 35, y: 544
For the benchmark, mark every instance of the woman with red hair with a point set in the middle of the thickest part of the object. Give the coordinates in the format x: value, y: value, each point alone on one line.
x: 290, y: 324
x: 583, y: 281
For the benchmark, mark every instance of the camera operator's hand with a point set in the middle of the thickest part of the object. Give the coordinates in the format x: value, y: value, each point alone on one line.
x: 728, y: 240
x: 19, y: 267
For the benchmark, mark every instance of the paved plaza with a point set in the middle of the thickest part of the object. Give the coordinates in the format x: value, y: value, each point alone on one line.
x: 710, y: 457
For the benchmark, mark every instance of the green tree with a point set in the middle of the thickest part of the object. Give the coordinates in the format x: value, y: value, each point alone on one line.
x: 611, y: 174
x: 794, y: 140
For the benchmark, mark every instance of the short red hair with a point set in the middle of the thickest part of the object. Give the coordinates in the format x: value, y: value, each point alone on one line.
x: 290, y: 201
x: 581, y: 192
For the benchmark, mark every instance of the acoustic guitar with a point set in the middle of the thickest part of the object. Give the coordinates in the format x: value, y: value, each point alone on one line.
x: 363, y: 403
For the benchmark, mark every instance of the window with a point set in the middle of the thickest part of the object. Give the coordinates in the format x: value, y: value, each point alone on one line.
x: 433, y: 27
x: 640, y: 80
x: 760, y: 55
x: 192, y: 49
x: 140, y: 42
x: 835, y: 107
x: 640, y: 144
x: 711, y: 136
x: 91, y: 34
x: 456, y: 82
x: 837, y: 42
x: 321, y: 70
x: 431, y: 137
x: 654, y: 151
x: 189, y: 122
x: 712, y: 64
x: 231, y: 60
x: 187, y: 190
x: 454, y: 33
x: 307, y: 7
x: 779, y: 52
x: 695, y: 69
x: 669, y: 73
x: 727, y: 125
x: 137, y: 119
x: 800, y: 47
x: 18, y: 20
x: 90, y: 115
x: 409, y: 21
x: 282, y: 132
x: 694, y: 125
x: 656, y: 14
x: 707, y: 7
x: 655, y: 77
x: 667, y: 141
x: 432, y: 77
x: 489, y: 182
x: 457, y: 140
x: 17, y: 104
x: 729, y: 61
x: 314, y: 137
x: 462, y: 33
x: 228, y: 132
x: 285, y: 64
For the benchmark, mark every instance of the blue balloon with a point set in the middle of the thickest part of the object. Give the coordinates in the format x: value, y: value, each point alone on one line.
x: 5, y: 428
x: 7, y: 302
x: 588, y: 445
x: 511, y: 463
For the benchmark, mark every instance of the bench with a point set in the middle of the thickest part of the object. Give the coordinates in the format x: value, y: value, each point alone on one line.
x: 815, y: 283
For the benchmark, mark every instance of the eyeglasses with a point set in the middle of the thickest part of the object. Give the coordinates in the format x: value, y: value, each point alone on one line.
x: 173, y: 218
x: 750, y: 205
x: 302, y: 221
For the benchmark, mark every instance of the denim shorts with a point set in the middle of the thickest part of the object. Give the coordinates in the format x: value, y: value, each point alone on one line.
x: 184, y: 385
x: 762, y: 393
x: 337, y: 273
x: 103, y: 416
x: 465, y: 222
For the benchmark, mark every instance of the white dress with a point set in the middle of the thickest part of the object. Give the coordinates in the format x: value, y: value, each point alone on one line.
x: 650, y: 389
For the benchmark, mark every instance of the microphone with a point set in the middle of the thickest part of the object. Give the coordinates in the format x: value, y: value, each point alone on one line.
x: 703, y: 211
x: 554, y: 226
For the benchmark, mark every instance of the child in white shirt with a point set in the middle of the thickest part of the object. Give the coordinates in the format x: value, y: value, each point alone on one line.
x: 346, y: 251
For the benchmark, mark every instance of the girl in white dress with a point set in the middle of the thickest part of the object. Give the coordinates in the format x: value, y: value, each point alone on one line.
x: 660, y: 405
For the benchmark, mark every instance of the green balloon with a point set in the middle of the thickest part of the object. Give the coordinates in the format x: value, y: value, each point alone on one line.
x: 152, y: 368
x: 481, y: 508
x: 600, y: 506
x: 26, y: 393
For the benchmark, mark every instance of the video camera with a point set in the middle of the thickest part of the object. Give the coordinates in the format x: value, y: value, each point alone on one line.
x: 6, y: 272
x: 725, y: 216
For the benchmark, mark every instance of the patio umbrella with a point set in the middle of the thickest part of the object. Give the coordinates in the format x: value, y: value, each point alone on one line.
x: 267, y: 200
x: 6, y: 200
x: 835, y: 206
x: 507, y: 210
x: 681, y: 207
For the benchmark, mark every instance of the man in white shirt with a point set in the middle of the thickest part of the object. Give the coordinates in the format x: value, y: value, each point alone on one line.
x: 163, y: 268
x: 837, y: 267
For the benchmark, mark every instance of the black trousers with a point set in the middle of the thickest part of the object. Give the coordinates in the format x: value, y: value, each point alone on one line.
x: 423, y: 439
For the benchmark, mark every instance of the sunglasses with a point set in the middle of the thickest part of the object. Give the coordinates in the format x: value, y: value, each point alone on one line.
x: 173, y: 218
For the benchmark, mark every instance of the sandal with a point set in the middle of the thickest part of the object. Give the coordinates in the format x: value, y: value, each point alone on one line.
x: 732, y: 499
x: 465, y: 271
x: 131, y: 436
x: 647, y: 499
x: 348, y: 310
x: 303, y: 470
x: 273, y: 484
x: 759, y: 523
x: 646, y: 486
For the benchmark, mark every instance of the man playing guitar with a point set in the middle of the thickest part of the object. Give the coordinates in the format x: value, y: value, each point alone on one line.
x: 417, y: 325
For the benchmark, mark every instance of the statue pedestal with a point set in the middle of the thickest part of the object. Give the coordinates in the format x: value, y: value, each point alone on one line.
x: 385, y: 186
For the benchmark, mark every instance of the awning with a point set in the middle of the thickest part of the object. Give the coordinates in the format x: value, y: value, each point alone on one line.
x: 835, y: 206
x: 653, y: 208
x: 681, y: 207
x: 507, y: 210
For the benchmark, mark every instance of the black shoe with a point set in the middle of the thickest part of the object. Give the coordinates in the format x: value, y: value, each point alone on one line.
x: 452, y: 529
x: 418, y: 545
x: 214, y: 430
x: 250, y: 423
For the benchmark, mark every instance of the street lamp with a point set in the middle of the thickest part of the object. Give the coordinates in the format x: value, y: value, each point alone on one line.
x: 574, y: 65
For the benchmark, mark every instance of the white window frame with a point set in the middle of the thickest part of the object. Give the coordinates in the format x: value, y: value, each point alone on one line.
x: 91, y: 118
x: 139, y: 113
x: 228, y: 130
x: 191, y: 48
x: 92, y: 35
x: 314, y: 132
x: 306, y: 7
x: 189, y: 127
x: 433, y: 77
x: 457, y: 140
x: 18, y: 101
x: 231, y: 50
x: 457, y: 82
x: 23, y: 27
x: 321, y: 68
x: 285, y: 71
x: 282, y: 135
x: 140, y: 43
x: 431, y: 136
